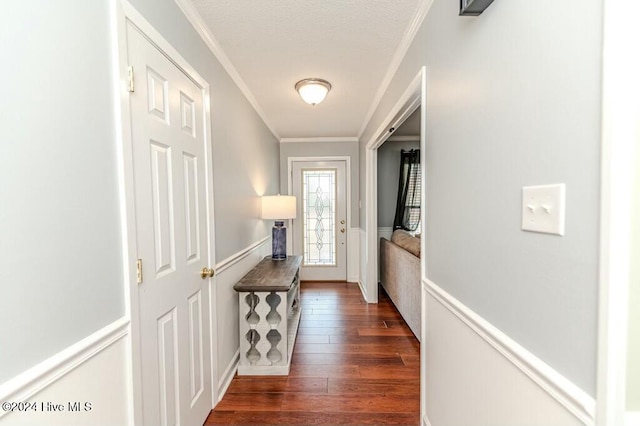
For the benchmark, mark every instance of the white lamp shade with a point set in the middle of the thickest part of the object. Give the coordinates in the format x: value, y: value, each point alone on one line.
x: 278, y: 207
x: 313, y: 91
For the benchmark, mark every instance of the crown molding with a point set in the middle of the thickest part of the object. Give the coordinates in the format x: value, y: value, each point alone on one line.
x: 320, y: 139
x: 214, y: 46
x: 401, y: 51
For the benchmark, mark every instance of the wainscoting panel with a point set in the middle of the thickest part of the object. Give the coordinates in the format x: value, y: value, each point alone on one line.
x: 479, y: 376
x: 228, y: 273
x: 362, y: 280
x: 87, y: 383
x: 353, y: 255
x: 385, y: 232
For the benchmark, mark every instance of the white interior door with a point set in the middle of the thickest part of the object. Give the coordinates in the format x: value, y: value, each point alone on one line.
x: 320, y: 227
x: 168, y: 138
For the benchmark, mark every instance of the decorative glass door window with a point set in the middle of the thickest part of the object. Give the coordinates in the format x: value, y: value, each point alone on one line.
x: 319, y: 217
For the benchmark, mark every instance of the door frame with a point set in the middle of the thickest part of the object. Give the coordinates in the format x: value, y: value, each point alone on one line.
x: 321, y: 164
x: 620, y: 133
x: 414, y: 97
x: 121, y: 13
x: 347, y: 160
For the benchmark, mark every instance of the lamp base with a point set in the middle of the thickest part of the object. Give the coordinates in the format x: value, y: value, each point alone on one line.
x: 279, y: 241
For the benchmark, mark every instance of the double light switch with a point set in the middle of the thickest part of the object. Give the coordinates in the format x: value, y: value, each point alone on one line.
x: 543, y: 208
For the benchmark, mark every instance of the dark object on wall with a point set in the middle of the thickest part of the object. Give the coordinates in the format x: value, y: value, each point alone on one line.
x: 408, y: 205
x: 473, y: 7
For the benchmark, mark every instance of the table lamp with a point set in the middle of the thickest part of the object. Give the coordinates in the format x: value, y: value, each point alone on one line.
x: 279, y: 207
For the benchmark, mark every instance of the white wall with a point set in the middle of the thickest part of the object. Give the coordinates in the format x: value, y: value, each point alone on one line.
x: 633, y: 355
x: 513, y: 99
x: 99, y: 384
x: 60, y: 252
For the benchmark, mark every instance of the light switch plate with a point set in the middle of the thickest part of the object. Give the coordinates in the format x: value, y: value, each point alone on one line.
x: 543, y: 208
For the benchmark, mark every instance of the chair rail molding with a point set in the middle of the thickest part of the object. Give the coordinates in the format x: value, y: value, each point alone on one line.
x: 31, y: 382
x: 556, y: 386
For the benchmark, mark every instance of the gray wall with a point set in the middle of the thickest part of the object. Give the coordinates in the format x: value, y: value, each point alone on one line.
x: 60, y: 247
x: 245, y: 152
x: 60, y: 250
x: 513, y: 99
x: 324, y: 149
x: 388, y: 174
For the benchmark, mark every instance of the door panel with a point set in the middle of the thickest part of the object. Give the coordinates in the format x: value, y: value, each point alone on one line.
x: 168, y: 368
x: 319, y: 230
x: 167, y: 121
x: 191, y: 206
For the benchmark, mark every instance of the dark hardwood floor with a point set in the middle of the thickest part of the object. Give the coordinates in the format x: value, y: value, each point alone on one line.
x: 353, y: 364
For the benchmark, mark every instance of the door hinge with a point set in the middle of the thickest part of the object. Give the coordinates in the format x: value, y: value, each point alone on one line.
x: 131, y: 83
x: 139, y: 271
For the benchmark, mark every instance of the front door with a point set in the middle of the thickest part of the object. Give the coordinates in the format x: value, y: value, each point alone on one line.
x: 168, y: 138
x: 320, y: 227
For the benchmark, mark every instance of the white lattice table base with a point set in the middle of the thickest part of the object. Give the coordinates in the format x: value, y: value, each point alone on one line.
x: 267, y: 331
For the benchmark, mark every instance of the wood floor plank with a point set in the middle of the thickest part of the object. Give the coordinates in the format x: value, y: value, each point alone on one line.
x: 358, y: 339
x: 346, y: 309
x: 328, y: 331
x: 377, y: 359
x: 389, y: 372
x: 246, y: 418
x: 406, y: 387
x: 382, y: 331
x: 327, y: 371
x: 394, y: 323
x: 410, y: 360
x: 350, y: 403
x: 242, y: 402
x: 278, y: 384
x: 364, y: 323
x: 368, y: 348
x: 311, y: 338
x: 353, y: 364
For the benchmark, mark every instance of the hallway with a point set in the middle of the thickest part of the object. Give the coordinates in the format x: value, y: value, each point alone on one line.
x: 353, y: 363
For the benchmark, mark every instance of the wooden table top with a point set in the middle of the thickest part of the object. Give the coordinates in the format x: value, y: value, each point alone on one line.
x: 270, y: 275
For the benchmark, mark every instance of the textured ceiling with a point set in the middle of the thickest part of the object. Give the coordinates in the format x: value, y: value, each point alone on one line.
x: 274, y: 43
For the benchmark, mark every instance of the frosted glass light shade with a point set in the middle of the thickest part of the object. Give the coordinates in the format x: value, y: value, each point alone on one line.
x: 279, y: 207
x: 313, y: 90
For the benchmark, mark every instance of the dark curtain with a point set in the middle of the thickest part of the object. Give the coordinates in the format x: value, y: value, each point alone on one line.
x: 408, y: 204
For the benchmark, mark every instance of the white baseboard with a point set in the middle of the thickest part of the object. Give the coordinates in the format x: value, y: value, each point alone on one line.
x: 425, y: 421
x: 462, y: 346
x: 228, y: 375
x: 93, y: 370
x: 363, y: 290
x: 385, y: 232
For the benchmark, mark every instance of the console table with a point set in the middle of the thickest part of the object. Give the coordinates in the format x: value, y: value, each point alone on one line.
x: 269, y: 298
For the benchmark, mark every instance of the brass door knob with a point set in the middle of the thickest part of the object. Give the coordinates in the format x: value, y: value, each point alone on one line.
x: 207, y: 272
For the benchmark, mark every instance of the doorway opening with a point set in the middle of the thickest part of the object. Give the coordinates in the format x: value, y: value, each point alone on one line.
x: 411, y: 101
x: 414, y: 98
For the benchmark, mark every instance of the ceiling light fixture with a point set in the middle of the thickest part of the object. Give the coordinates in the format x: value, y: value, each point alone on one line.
x: 313, y: 90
